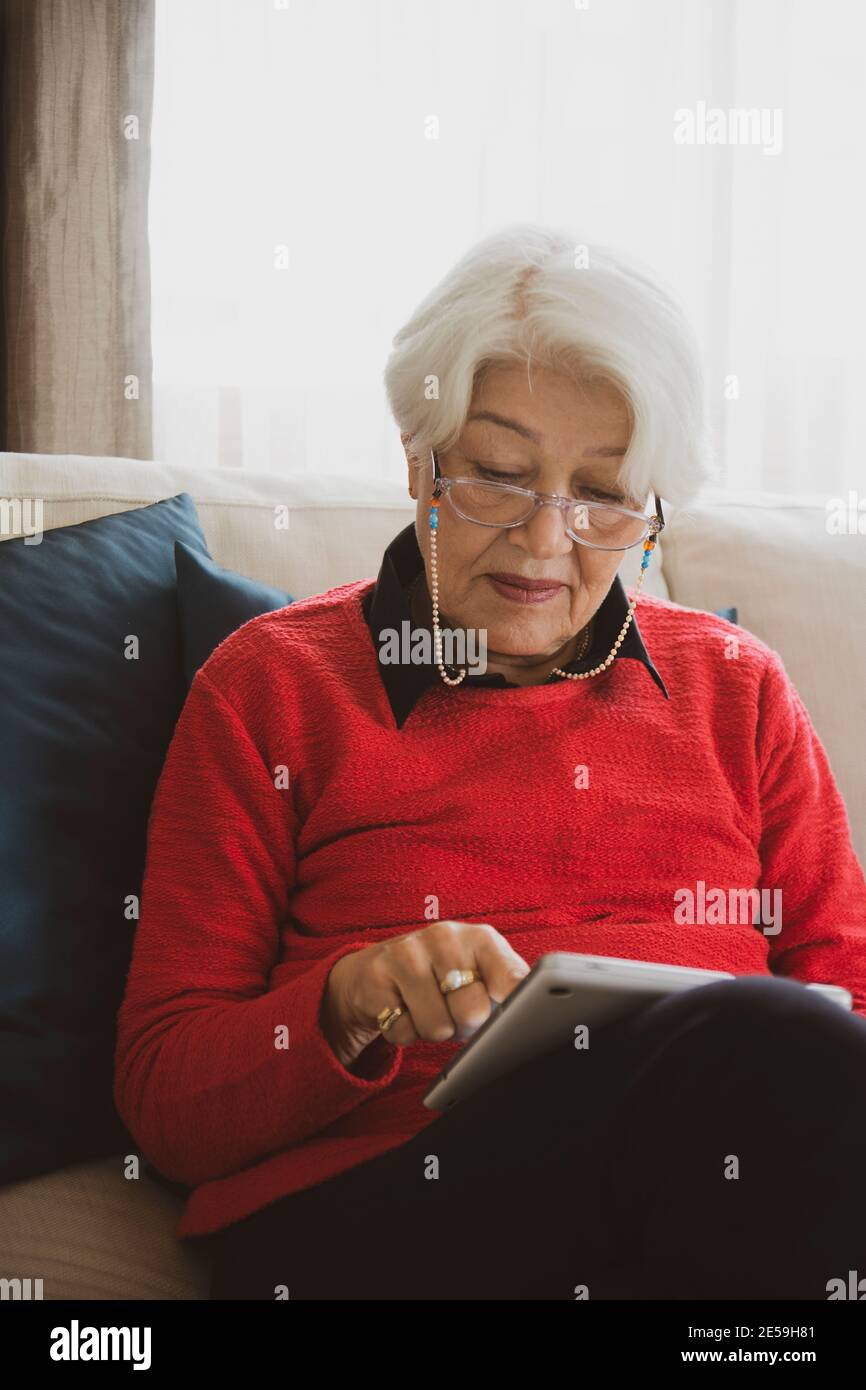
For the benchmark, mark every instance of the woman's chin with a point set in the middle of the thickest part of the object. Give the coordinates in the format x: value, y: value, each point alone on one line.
x: 539, y: 646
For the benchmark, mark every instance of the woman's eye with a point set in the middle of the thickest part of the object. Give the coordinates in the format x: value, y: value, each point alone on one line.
x: 598, y: 496
x: 494, y: 475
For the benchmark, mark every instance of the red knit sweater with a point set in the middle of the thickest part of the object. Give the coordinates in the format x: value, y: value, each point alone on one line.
x: 253, y: 888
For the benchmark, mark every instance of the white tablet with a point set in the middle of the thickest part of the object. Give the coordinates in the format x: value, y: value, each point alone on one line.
x: 562, y: 991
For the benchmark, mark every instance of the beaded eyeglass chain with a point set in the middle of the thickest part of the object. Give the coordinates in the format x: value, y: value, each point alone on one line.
x: 648, y: 547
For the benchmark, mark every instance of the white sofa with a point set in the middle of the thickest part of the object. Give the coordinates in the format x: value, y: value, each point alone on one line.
x: 86, y: 1230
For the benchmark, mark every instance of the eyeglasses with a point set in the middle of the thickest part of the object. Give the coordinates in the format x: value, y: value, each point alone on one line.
x: 599, y: 525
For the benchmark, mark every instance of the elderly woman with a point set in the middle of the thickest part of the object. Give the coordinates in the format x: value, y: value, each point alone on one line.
x: 353, y: 859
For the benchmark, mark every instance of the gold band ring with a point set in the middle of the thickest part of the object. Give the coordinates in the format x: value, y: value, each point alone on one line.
x: 387, y: 1017
x: 458, y: 979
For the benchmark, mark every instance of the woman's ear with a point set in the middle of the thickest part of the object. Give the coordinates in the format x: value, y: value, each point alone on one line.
x: 411, y: 462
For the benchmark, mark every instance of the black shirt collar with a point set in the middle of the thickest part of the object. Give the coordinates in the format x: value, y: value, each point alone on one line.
x: 386, y: 606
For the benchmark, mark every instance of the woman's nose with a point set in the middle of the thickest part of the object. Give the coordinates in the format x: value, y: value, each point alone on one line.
x: 544, y: 534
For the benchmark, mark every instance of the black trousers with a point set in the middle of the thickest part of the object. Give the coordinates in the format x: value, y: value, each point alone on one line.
x: 713, y: 1146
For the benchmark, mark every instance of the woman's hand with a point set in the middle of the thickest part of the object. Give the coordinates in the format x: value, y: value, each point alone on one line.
x: 406, y: 972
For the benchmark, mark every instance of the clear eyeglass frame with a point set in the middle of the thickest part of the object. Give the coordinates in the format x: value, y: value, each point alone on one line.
x: 654, y: 524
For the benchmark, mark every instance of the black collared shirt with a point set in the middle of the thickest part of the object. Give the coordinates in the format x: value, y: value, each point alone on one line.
x: 386, y: 607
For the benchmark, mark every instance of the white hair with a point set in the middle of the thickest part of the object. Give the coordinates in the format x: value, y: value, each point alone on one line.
x: 530, y: 293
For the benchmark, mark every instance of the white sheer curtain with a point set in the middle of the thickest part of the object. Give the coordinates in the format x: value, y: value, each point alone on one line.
x: 317, y: 167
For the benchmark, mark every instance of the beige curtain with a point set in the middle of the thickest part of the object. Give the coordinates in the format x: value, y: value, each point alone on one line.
x: 75, y: 357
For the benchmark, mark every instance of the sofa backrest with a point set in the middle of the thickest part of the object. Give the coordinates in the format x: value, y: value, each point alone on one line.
x: 337, y: 527
x: 795, y: 583
x: 795, y: 569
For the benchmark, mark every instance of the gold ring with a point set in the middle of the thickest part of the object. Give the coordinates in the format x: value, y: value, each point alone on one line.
x: 458, y: 979
x: 387, y: 1017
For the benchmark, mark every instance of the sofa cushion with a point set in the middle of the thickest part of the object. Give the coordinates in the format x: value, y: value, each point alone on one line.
x: 90, y: 1231
x: 213, y: 602
x: 91, y: 685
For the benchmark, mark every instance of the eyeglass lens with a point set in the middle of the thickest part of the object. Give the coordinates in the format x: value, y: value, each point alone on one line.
x: 492, y: 506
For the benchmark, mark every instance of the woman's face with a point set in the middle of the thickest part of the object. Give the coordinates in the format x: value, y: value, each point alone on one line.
x: 553, y: 436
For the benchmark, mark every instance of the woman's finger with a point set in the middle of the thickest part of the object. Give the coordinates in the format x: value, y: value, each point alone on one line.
x: 468, y: 1005
x: 401, y: 1032
x: 382, y: 992
x: 501, y: 966
x: 417, y: 984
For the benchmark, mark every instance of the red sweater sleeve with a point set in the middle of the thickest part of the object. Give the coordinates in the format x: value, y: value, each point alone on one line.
x: 806, y: 850
x: 199, y: 1080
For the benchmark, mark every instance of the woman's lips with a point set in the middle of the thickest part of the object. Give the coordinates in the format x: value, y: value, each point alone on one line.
x: 518, y: 590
